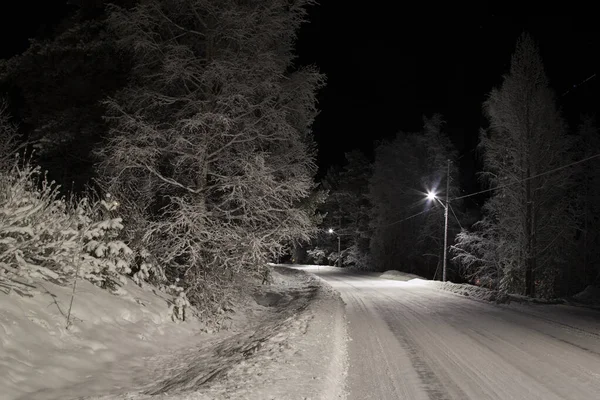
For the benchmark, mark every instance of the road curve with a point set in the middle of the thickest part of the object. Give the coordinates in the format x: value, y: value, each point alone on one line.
x: 411, y: 341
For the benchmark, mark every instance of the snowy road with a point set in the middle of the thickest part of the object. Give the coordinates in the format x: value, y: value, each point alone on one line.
x: 410, y: 341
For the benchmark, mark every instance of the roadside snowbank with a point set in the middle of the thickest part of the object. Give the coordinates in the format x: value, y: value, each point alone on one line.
x: 295, y: 349
x: 40, y: 357
x: 296, y: 352
x: 463, y: 289
x: 399, y: 276
x: 288, y: 341
x: 590, y: 295
x: 472, y: 291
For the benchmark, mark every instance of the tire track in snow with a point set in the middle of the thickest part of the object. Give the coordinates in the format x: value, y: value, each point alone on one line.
x: 476, y: 350
x: 540, y: 373
x: 428, y: 385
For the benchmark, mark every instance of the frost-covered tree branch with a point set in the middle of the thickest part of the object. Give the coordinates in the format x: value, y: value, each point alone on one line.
x: 210, y: 141
x: 526, y: 138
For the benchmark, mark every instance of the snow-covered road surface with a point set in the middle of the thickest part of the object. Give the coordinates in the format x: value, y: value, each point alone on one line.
x: 411, y: 341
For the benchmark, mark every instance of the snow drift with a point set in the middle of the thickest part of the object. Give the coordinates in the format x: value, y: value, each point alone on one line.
x: 286, y: 341
x: 39, y: 356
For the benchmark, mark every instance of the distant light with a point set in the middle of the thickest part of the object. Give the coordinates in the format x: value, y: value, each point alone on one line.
x: 431, y: 196
x: 330, y: 230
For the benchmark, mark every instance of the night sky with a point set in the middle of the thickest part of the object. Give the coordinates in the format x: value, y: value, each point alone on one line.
x: 386, y: 67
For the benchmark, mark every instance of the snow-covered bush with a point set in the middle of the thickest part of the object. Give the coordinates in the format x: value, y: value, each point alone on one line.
x: 146, y: 268
x: 356, y: 259
x: 476, y: 252
x: 105, y: 259
x: 8, y: 136
x: 38, y: 238
x: 317, y: 256
x: 180, y: 304
x: 45, y: 236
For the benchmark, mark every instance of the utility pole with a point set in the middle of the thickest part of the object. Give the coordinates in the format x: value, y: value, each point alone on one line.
x: 339, y: 251
x: 446, y: 222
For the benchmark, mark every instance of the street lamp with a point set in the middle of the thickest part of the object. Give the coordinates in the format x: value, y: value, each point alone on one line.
x: 331, y: 231
x: 432, y: 196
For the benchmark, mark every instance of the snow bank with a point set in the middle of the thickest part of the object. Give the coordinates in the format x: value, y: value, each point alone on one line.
x: 304, y: 356
x: 329, y: 335
x: 463, y: 289
x: 40, y: 358
x: 295, y: 349
x: 590, y: 295
x: 399, y: 276
x: 474, y: 292
x: 481, y: 293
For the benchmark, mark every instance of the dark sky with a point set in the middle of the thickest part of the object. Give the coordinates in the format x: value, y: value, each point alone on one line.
x: 21, y: 20
x: 386, y: 67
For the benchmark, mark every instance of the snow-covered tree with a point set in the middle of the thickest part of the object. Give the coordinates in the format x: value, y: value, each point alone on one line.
x: 313, y: 206
x: 56, y: 88
x: 476, y: 252
x: 210, y: 142
x: 355, y: 210
x: 347, y: 211
x: 405, y: 169
x: 586, y: 268
x: 8, y: 137
x: 529, y: 212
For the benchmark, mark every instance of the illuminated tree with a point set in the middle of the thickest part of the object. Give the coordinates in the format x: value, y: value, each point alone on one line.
x: 525, y: 139
x: 210, y: 146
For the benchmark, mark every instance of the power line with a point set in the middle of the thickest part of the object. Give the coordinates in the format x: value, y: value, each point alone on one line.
x: 468, y: 152
x: 576, y: 86
x: 402, y: 220
x: 526, y: 179
x: 452, y: 209
x: 488, y: 190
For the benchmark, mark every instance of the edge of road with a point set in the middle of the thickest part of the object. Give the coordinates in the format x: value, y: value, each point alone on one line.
x: 327, y: 335
x: 330, y: 313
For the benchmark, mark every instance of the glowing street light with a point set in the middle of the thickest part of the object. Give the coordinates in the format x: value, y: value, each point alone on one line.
x: 432, y: 196
x: 339, y: 260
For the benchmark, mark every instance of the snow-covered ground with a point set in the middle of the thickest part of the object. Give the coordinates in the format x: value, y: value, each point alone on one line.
x: 399, y: 276
x: 590, y: 297
x: 287, y: 341
x: 410, y: 340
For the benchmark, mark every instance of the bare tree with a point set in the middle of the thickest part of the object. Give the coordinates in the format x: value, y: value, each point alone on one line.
x: 210, y: 146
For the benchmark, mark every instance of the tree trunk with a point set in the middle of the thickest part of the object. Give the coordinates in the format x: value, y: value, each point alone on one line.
x: 532, y: 265
x: 529, y: 237
x: 530, y: 219
x: 585, y: 233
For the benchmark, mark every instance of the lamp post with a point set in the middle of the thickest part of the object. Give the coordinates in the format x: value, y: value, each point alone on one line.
x: 432, y: 196
x: 331, y: 231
